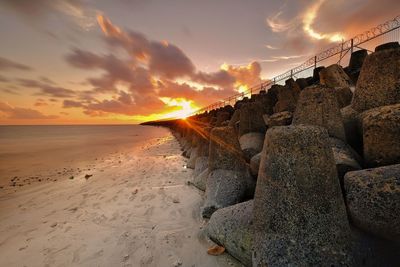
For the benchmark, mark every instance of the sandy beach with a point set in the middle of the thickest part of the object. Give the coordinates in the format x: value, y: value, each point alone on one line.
x: 132, y: 208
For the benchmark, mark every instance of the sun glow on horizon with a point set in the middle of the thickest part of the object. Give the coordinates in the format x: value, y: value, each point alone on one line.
x: 185, y: 107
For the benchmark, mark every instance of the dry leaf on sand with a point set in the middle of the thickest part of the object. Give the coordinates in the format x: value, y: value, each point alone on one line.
x: 216, y: 250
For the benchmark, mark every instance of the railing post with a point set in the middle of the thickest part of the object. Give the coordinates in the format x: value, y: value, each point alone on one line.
x: 315, y: 62
x: 352, y: 45
x: 291, y: 73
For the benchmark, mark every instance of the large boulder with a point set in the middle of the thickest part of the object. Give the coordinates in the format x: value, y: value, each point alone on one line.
x: 224, y: 150
x: 373, y: 200
x: 299, y: 213
x: 251, y: 118
x: 200, y: 180
x: 334, y: 76
x: 381, y: 135
x: 225, y: 188
x: 222, y: 116
x: 318, y: 105
x: 379, y: 81
x: 232, y: 227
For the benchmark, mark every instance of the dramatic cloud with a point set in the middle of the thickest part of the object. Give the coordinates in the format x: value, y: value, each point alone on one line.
x: 40, y: 9
x: 6, y: 64
x: 46, y: 89
x: 162, y: 58
x: 149, y: 76
x: 18, y: 113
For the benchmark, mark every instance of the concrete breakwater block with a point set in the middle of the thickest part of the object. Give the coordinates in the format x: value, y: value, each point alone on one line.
x: 232, y: 227
x: 278, y: 119
x: 334, y: 76
x: 346, y: 159
x: 344, y: 96
x: 235, y: 118
x: 251, y: 118
x: 251, y: 144
x: 352, y: 127
x: 225, y: 188
x: 193, y: 156
x: 318, y: 106
x: 224, y: 150
x: 200, y: 165
x: 373, y: 200
x: 299, y: 214
x: 381, y: 135
x: 287, y: 99
x: 255, y: 164
x: 200, y: 180
x: 378, y: 83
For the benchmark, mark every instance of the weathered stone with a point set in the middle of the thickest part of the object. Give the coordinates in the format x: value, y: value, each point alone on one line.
x: 386, y: 46
x: 352, y: 127
x: 232, y: 228
x: 192, y: 159
x: 293, y: 87
x: 334, y: 76
x: 225, y: 188
x: 381, y: 135
x: 344, y: 96
x: 268, y: 101
x: 200, y: 180
x: 200, y: 165
x: 235, y: 118
x: 225, y: 152
x: 373, y: 200
x: 318, y: 105
x: 222, y: 116
x: 379, y: 81
x: 255, y: 164
x: 286, y: 100
x: 299, y: 213
x: 251, y: 144
x: 251, y: 118
x: 280, y: 119
x: 346, y: 159
x: 357, y: 59
x: 302, y: 82
x: 316, y: 71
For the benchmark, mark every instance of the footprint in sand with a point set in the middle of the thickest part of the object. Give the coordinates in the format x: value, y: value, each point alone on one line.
x: 148, y: 197
x: 149, y: 211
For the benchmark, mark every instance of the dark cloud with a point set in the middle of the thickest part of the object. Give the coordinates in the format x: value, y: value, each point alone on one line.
x: 6, y: 64
x: 9, y: 91
x: 72, y: 104
x: 18, y: 113
x: 40, y: 103
x: 47, y: 89
x: 220, y: 78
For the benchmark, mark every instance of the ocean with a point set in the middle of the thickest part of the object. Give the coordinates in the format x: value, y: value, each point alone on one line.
x: 33, y: 150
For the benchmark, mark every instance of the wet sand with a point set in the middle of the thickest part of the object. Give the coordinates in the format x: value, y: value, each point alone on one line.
x: 136, y: 209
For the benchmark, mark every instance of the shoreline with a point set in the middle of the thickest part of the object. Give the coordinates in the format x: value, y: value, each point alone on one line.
x: 137, y: 212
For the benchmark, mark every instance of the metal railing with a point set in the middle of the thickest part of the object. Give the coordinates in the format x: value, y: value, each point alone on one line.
x: 386, y: 32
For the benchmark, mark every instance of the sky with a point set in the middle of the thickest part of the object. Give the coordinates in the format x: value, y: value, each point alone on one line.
x: 129, y: 61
